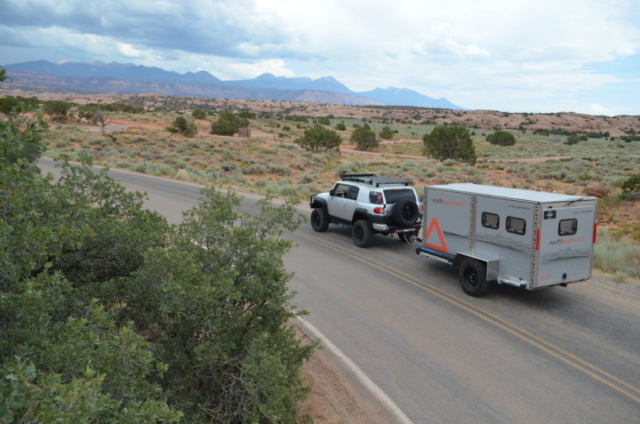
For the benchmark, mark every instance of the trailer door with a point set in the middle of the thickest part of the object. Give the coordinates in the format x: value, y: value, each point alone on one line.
x: 566, y: 244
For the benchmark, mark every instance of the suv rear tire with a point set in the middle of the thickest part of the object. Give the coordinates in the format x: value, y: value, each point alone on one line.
x: 406, y: 212
x: 362, y: 233
x: 319, y: 220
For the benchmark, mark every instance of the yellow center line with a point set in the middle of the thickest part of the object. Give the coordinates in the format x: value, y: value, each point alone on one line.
x: 545, y: 346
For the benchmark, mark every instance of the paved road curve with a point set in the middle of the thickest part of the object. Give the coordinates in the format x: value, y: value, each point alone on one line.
x: 561, y: 355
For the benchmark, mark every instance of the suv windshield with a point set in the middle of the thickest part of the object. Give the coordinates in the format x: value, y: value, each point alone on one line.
x: 396, y: 194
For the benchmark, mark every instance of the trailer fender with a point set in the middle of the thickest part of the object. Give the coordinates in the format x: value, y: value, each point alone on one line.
x: 491, y: 264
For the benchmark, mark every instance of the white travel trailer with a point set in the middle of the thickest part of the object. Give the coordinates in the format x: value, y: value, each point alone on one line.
x: 524, y: 238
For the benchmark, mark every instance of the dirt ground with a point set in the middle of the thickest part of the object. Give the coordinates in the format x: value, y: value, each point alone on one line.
x: 337, y: 397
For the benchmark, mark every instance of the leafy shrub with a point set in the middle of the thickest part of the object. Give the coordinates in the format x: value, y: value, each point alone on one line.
x: 228, y: 124
x: 572, y: 139
x: 184, y: 126
x: 341, y: 127
x: 450, y: 142
x: 9, y: 105
x: 631, y: 188
x: 247, y: 114
x: 57, y: 109
x: 386, y: 133
x: 199, y: 113
x: 222, y: 127
x: 318, y: 138
x: 364, y: 138
x: 501, y: 138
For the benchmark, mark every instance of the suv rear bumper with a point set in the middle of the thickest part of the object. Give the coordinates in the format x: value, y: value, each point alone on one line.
x: 384, y: 228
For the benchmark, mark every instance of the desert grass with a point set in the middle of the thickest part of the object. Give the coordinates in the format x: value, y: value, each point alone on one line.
x: 279, y: 167
x: 617, y: 255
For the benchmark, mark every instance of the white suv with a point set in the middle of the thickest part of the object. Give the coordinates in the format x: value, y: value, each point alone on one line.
x: 369, y: 204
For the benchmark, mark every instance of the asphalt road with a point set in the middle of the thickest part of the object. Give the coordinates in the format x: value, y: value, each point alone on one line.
x: 560, y: 355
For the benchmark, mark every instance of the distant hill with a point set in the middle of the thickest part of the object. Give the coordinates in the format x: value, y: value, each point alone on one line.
x: 118, y: 78
x: 405, y: 97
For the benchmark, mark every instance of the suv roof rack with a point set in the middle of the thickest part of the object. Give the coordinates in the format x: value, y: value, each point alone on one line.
x: 373, y: 180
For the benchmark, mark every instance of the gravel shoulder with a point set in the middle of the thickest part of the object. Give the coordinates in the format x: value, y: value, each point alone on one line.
x: 337, y: 396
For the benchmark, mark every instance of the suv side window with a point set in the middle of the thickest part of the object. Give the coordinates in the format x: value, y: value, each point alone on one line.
x: 352, y: 192
x: 375, y: 197
x: 341, y: 190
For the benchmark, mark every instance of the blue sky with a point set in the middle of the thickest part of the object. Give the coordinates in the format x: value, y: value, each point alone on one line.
x: 516, y: 56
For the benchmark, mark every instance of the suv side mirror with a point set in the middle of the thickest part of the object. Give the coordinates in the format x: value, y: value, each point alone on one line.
x: 332, y: 192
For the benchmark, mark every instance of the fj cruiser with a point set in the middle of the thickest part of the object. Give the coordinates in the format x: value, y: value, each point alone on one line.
x: 369, y: 204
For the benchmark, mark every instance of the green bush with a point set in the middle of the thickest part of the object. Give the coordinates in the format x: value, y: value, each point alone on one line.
x: 57, y: 109
x: 386, y: 133
x: 10, y: 105
x: 318, y: 138
x: 184, y: 126
x: 19, y: 140
x: 501, y: 138
x: 199, y: 113
x: 224, y: 128
x: 450, y: 142
x: 341, y: 127
x: 631, y: 188
x: 572, y: 139
x: 228, y: 124
x: 364, y: 138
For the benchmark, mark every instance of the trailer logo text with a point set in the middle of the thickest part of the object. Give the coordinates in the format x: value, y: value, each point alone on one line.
x: 566, y: 241
x: 444, y: 202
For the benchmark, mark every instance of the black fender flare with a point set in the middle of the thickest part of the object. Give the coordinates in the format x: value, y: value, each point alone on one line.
x: 318, y: 203
x: 359, y: 213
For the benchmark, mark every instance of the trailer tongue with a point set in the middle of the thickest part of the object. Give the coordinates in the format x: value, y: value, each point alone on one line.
x: 524, y: 238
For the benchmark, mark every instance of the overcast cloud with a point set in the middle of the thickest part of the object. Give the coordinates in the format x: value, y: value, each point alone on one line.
x: 508, y: 55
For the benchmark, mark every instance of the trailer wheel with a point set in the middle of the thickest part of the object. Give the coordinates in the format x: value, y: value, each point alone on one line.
x: 473, y: 277
x: 319, y: 220
x: 362, y: 233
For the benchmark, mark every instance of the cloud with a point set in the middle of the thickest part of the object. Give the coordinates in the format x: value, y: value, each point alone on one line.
x: 466, y: 51
x: 596, y: 109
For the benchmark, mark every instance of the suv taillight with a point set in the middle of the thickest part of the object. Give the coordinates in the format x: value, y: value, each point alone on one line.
x: 378, y: 210
x: 421, y: 208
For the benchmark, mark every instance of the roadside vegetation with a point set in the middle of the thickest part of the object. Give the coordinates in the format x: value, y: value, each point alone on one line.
x: 110, y: 314
x: 297, y: 153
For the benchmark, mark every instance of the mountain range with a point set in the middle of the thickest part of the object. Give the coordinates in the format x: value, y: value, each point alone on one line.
x: 119, y: 78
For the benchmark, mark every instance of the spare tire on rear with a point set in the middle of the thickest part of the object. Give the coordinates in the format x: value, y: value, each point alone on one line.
x: 406, y: 212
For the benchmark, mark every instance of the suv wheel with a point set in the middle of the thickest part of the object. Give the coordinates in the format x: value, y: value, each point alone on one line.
x: 362, y: 233
x: 319, y: 220
x: 406, y: 212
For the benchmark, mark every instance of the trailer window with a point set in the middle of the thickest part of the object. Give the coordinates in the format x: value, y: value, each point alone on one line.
x: 567, y: 227
x: 516, y: 225
x: 490, y: 220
